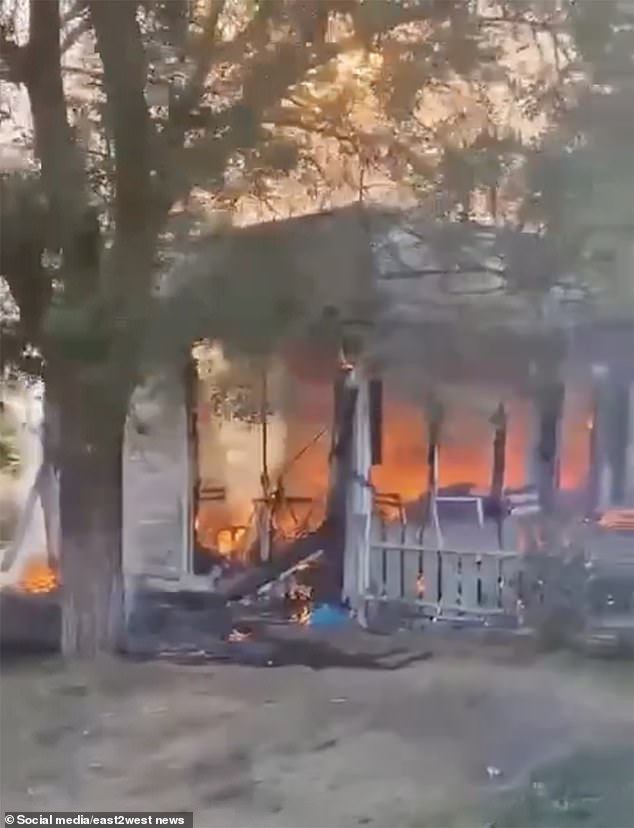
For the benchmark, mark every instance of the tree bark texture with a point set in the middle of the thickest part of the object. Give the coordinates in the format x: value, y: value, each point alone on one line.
x: 63, y: 171
x: 90, y: 517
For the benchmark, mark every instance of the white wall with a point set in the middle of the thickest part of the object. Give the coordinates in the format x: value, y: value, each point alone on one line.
x: 156, y: 483
x: 24, y: 413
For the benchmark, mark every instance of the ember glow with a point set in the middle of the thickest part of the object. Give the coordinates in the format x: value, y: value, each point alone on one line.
x: 618, y: 519
x: 238, y: 635
x: 38, y: 577
x: 302, y: 616
x: 420, y: 586
x: 228, y: 540
x: 299, y: 600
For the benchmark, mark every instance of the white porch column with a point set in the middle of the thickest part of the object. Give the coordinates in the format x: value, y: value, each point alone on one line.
x: 629, y: 468
x: 532, y: 437
x: 358, y: 498
x: 611, y: 478
x: 596, y: 482
x: 544, y: 447
x: 618, y: 441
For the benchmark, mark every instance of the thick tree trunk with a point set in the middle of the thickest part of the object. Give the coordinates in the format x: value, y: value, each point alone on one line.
x: 90, y: 512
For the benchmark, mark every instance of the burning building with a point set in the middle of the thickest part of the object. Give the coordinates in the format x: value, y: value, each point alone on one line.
x: 247, y: 461
x: 237, y: 459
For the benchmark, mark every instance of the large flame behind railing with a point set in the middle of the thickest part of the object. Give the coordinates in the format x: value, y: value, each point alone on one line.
x: 465, y: 457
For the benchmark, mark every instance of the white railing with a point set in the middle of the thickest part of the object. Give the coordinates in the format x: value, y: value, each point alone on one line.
x: 473, y: 576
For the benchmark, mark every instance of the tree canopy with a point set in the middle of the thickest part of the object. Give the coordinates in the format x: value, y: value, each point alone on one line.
x: 581, y: 178
x: 270, y: 109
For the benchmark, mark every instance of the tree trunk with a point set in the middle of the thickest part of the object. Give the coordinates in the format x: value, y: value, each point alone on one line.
x: 90, y: 512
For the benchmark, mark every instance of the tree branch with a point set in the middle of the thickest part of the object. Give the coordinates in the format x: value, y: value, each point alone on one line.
x: 63, y: 172
x: 254, y: 37
x: 269, y: 81
x: 13, y: 58
x: 287, y: 119
x: 122, y: 54
x: 508, y: 20
x: 272, y: 73
x: 204, y: 54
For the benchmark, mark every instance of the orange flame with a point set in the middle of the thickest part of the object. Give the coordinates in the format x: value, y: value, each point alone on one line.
x: 300, y: 596
x: 302, y: 616
x: 38, y: 577
x: 228, y: 539
x: 619, y: 519
x: 465, y: 456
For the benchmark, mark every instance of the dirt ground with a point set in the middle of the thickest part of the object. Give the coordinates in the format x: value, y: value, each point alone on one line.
x: 294, y: 746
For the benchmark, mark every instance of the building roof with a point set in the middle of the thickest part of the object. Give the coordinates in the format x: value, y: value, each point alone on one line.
x: 446, y: 297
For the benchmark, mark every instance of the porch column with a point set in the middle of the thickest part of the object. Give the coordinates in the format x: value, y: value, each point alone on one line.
x: 192, y: 483
x: 499, y: 421
x: 629, y: 468
x: 358, y: 497
x: 610, y: 480
x: 532, y: 436
x: 596, y: 472
x: 619, y: 440
x: 544, y: 447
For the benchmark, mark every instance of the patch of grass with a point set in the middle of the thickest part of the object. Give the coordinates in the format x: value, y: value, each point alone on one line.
x: 591, y: 789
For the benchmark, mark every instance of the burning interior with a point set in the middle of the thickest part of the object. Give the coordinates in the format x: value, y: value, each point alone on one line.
x: 260, y: 443
x: 263, y: 440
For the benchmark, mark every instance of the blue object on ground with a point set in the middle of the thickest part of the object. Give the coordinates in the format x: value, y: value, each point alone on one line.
x: 328, y: 615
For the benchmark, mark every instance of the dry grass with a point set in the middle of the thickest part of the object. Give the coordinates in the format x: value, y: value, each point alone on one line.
x: 297, y: 747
